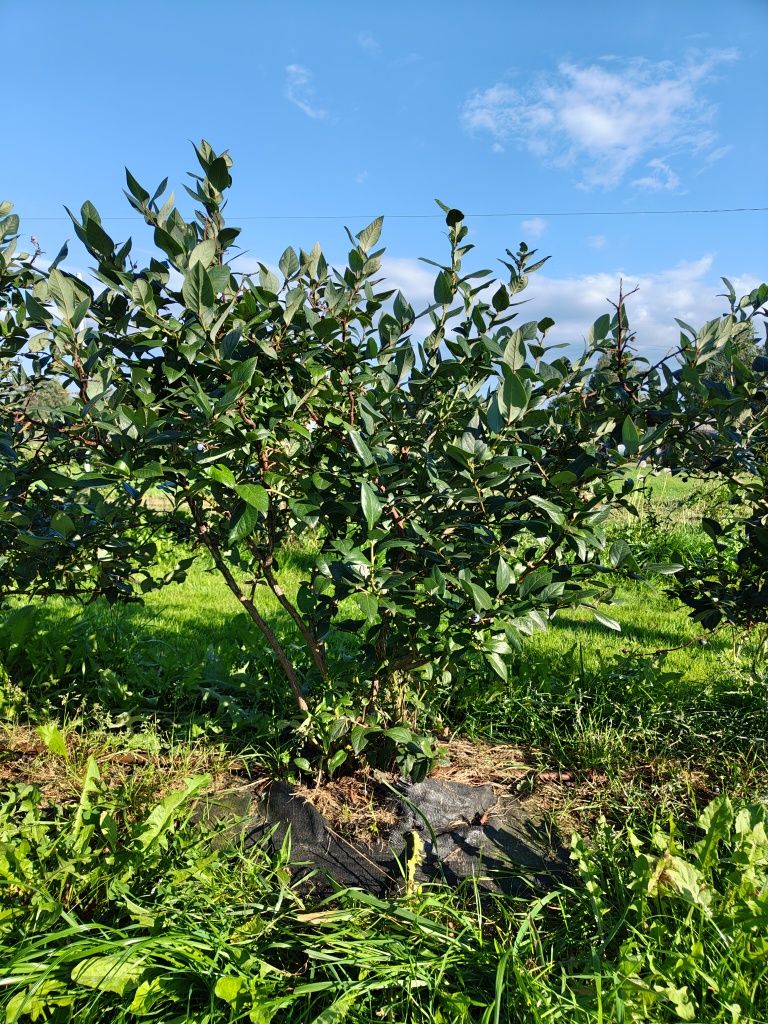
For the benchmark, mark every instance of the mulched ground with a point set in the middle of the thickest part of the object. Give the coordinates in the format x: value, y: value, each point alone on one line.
x: 359, y: 806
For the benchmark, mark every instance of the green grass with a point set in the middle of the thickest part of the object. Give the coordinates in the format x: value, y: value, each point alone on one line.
x: 114, y: 906
x: 110, y: 915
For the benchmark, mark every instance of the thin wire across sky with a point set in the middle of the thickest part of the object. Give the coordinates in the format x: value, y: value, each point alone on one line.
x: 438, y: 216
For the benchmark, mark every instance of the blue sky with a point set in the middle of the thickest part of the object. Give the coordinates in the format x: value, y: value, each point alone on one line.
x: 349, y: 110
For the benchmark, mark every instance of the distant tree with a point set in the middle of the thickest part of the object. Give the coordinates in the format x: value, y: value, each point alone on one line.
x: 47, y: 401
x: 736, y: 357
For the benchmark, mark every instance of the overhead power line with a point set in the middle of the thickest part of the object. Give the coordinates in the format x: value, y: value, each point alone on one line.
x: 435, y: 216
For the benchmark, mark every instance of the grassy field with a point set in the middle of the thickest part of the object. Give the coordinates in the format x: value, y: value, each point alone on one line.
x: 645, y: 745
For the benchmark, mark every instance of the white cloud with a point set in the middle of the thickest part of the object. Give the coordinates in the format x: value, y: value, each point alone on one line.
x: 367, y: 42
x: 597, y: 241
x: 688, y: 291
x: 534, y: 227
x: 661, y: 177
x: 301, y: 92
x: 604, y: 119
x: 413, y: 278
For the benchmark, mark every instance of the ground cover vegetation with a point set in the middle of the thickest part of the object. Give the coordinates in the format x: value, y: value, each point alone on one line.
x: 284, y: 525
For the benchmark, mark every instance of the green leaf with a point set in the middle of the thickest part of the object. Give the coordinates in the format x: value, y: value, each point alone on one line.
x: 360, y: 447
x: 218, y: 174
x: 53, y: 738
x: 514, y: 351
x: 606, y: 621
x: 503, y: 576
x: 294, y: 300
x: 204, y: 253
x: 337, y: 1011
x: 289, y: 263
x: 619, y: 552
x: 267, y: 280
x: 162, y: 817
x: 62, y: 291
x: 197, y: 291
x: 498, y: 664
x: 358, y: 737
x: 683, y: 1002
x: 89, y: 790
x: 599, y: 329
x: 116, y: 972
x: 677, y: 876
x: 228, y: 987
x: 399, y: 734
x: 513, y: 398
x: 369, y: 236
x: 61, y: 523
x: 9, y: 226
x: 255, y: 496
x: 166, y: 209
x: 243, y: 372
x: 663, y: 568
x: 370, y: 503
x: 221, y: 475
x: 142, y: 294
x: 245, y: 523
x: 443, y: 288
x: 630, y: 436
x: 135, y: 188
x: 716, y: 820
x: 402, y: 309
x: 95, y: 236
x: 500, y: 299
x: 220, y: 277
x: 482, y: 599
x: 368, y: 604
x: 165, y: 241
x: 555, y: 513
x: 336, y: 761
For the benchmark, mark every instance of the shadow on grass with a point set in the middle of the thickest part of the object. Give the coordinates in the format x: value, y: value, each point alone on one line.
x: 649, y: 640
x: 169, y: 666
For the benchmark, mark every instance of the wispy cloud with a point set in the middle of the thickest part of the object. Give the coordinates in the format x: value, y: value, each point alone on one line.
x: 661, y: 176
x: 718, y: 154
x: 597, y: 241
x: 534, y: 227
x: 301, y: 92
x: 406, y: 59
x: 368, y: 42
x: 604, y: 119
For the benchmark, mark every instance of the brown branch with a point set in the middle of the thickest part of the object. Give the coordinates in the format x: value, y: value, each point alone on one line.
x: 307, y: 634
x: 621, y: 339
x: 544, y: 558
x: 278, y: 649
x: 82, y: 376
x: 701, y: 639
x: 247, y: 420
